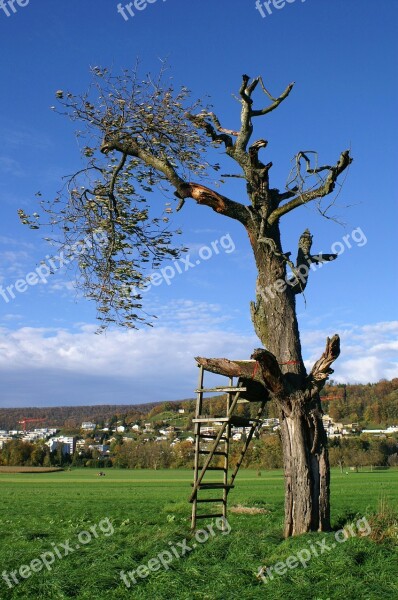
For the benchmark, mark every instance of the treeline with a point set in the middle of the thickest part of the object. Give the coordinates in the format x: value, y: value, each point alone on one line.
x: 263, y: 453
x: 70, y: 417
x: 17, y: 453
x: 371, y: 404
x: 363, y: 451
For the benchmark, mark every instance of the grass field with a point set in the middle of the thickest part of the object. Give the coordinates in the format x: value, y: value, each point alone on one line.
x: 127, y: 518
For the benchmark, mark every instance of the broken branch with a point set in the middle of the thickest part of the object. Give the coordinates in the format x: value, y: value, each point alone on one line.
x: 322, y: 368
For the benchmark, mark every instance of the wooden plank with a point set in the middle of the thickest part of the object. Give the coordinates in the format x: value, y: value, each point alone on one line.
x: 228, y: 431
x: 215, y: 468
x: 213, y: 486
x: 211, y: 436
x: 198, y: 411
x: 213, y: 453
x: 211, y: 516
x: 211, y: 420
x: 220, y: 500
x: 242, y: 421
x: 222, y: 389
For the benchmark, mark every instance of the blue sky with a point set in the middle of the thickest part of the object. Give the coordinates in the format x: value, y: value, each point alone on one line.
x: 341, y: 54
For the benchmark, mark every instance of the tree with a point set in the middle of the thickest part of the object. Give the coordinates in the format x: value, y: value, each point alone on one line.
x: 151, y: 136
x: 39, y: 453
x: 337, y: 456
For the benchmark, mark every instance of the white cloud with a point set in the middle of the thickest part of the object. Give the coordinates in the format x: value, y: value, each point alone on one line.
x: 57, y: 366
x: 119, y: 366
x: 368, y: 352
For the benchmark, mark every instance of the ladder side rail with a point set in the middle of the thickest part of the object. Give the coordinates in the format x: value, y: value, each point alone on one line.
x: 247, y: 443
x: 226, y: 458
x: 198, y: 411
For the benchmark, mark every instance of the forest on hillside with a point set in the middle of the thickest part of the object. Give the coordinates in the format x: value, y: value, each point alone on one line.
x: 372, y: 404
x: 70, y: 417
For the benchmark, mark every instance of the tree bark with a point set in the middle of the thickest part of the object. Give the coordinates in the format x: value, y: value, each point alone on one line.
x: 304, y: 441
x: 307, y: 491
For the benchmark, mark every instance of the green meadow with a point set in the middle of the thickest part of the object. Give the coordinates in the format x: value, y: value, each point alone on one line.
x: 131, y: 520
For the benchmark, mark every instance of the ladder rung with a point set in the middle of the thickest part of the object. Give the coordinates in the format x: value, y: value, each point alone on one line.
x: 221, y: 389
x: 213, y: 486
x: 213, y: 516
x: 242, y: 421
x: 212, y: 468
x: 234, y: 420
x: 216, y: 453
x: 210, y: 500
x: 211, y: 420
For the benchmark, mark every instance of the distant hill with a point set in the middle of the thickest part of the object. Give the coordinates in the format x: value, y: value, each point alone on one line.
x: 70, y: 416
x: 368, y: 404
x: 372, y: 403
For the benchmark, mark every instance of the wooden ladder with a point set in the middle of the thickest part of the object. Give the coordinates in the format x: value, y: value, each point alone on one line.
x: 219, y: 448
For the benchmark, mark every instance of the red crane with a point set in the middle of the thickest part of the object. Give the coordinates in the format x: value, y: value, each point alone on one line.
x: 24, y: 421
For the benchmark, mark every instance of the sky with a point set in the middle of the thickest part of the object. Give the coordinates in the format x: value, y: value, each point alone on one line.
x: 342, y: 55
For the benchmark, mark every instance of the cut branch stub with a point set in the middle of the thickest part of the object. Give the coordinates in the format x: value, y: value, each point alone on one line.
x: 271, y: 373
x: 247, y: 369
x: 304, y: 260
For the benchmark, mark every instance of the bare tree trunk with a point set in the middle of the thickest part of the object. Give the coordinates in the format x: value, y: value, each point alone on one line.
x: 304, y: 441
x: 307, y: 503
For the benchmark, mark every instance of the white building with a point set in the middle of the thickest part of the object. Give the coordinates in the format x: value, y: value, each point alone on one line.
x: 3, y: 440
x: 88, y: 426
x: 68, y: 444
x: 270, y: 422
x: 392, y: 429
x: 102, y: 448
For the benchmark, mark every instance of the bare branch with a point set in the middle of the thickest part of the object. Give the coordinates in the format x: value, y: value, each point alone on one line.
x: 275, y: 104
x: 324, y: 189
x: 217, y: 123
x: 287, y: 195
x: 246, y: 129
x: 223, y: 137
x: 113, y: 207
